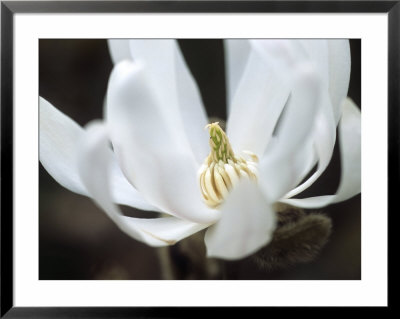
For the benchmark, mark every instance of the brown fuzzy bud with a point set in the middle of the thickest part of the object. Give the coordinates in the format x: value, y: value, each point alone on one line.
x: 298, y: 239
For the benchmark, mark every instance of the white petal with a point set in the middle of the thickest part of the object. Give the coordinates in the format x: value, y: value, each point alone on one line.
x: 350, y: 149
x: 285, y: 57
x: 167, y: 229
x: 58, y: 137
x: 256, y: 106
x: 94, y: 167
x: 58, y: 154
x: 236, y: 56
x: 119, y: 50
x: 300, y: 111
x: 151, y: 145
x: 350, y: 140
x: 285, y: 159
x: 324, y: 137
x: 332, y: 58
x: 325, y: 131
x: 246, y: 225
x: 123, y: 192
x: 193, y: 113
x: 339, y: 73
x: 282, y: 55
x: 317, y: 53
x: 175, y: 88
x: 265, y: 85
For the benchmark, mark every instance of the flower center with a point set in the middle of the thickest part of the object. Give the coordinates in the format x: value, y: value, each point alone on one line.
x: 222, y: 169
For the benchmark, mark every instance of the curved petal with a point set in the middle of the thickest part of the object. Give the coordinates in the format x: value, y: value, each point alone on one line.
x: 333, y: 60
x: 119, y: 50
x: 328, y: 60
x: 324, y: 132
x: 282, y: 55
x: 350, y: 148
x: 237, y: 52
x: 317, y: 52
x: 265, y: 86
x: 247, y: 224
x: 151, y: 146
x: 175, y: 88
x: 256, y: 106
x: 339, y: 73
x: 57, y: 150
x: 58, y: 154
x: 324, y: 137
x: 289, y: 152
x: 94, y: 167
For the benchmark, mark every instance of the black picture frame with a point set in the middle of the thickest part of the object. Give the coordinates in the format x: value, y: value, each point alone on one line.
x: 10, y: 8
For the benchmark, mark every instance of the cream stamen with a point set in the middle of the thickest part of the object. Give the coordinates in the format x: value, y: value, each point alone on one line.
x: 222, y: 170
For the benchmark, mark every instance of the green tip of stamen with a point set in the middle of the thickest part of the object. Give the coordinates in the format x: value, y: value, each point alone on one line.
x: 220, y: 148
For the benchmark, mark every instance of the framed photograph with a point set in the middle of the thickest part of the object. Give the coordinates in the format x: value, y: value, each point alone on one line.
x: 164, y: 155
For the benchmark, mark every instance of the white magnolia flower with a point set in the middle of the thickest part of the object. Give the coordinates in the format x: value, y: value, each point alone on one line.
x: 286, y: 99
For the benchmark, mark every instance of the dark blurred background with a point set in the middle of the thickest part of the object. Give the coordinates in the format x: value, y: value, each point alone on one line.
x: 78, y: 241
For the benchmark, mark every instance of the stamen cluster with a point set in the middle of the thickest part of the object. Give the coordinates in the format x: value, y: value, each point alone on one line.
x: 221, y: 170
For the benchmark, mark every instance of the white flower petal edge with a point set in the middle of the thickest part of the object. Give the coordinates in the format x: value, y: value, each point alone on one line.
x: 175, y: 88
x: 331, y: 57
x: 339, y: 73
x: 236, y: 57
x: 272, y: 66
x: 333, y: 62
x: 282, y: 166
x: 258, y: 101
x: 119, y: 50
x: 58, y: 154
x: 151, y: 145
x: 324, y: 137
x: 94, y: 167
x: 316, y: 50
x: 57, y: 151
x: 247, y: 224
x: 350, y: 148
